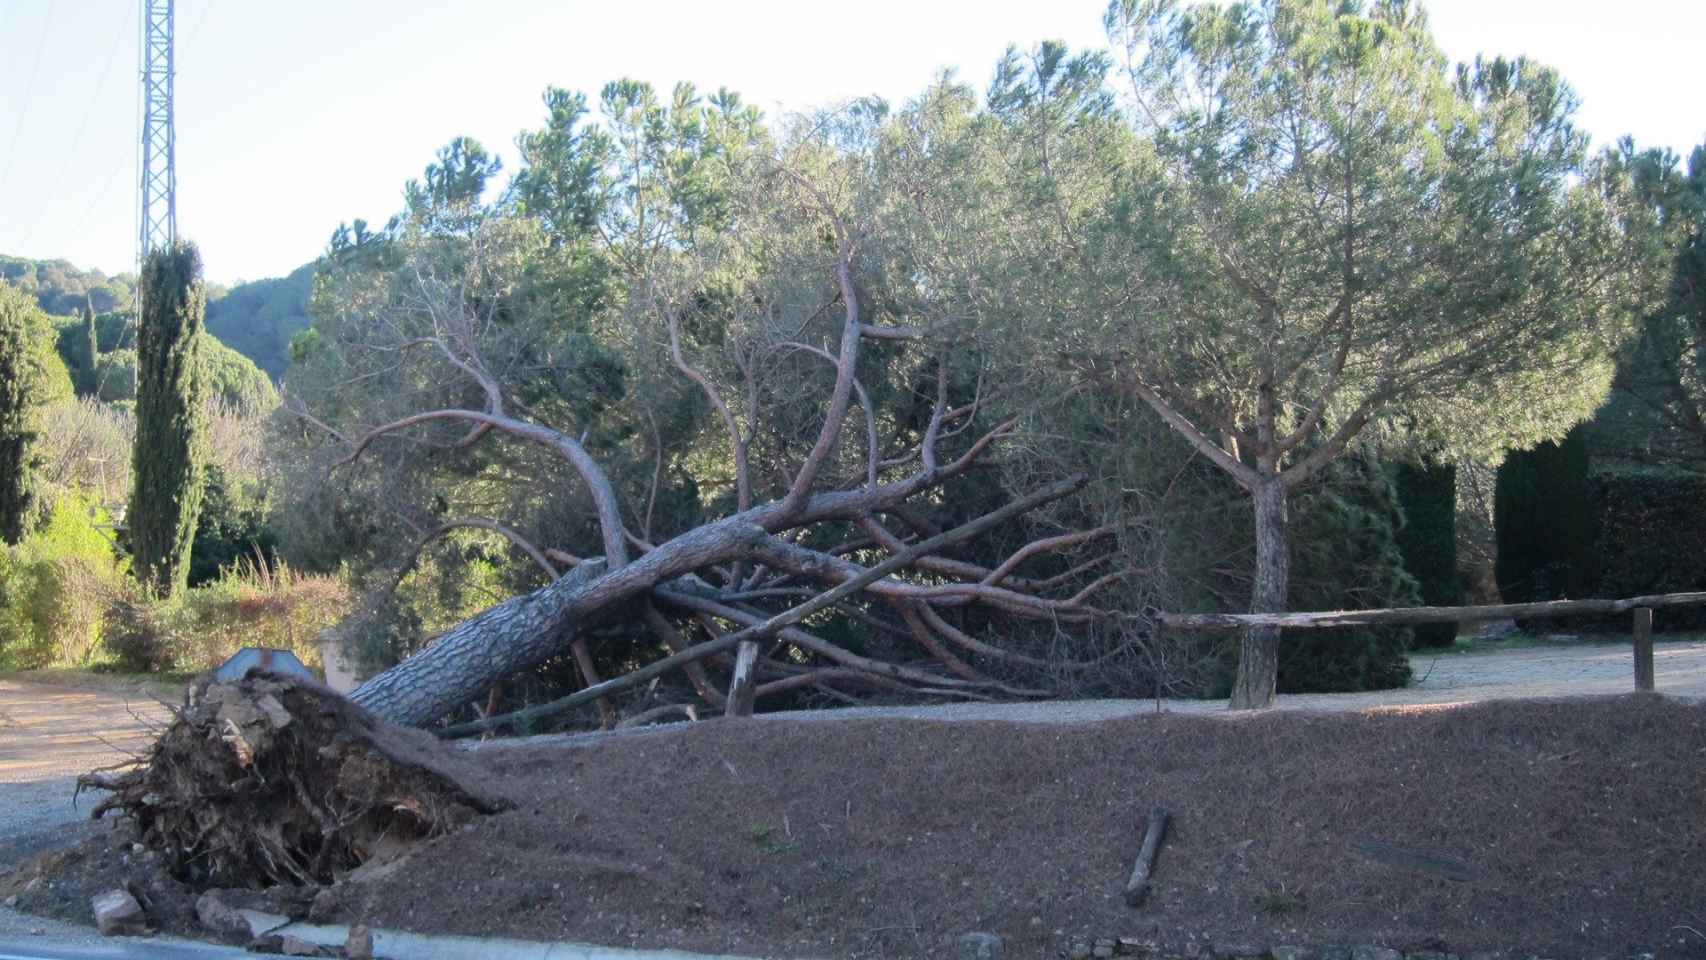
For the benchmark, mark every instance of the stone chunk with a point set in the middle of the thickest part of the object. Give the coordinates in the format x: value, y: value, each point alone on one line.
x: 1290, y: 952
x: 1367, y: 952
x: 359, y: 945
x: 220, y: 917
x: 325, y: 905
x: 298, y: 947
x: 117, y: 914
x: 980, y: 946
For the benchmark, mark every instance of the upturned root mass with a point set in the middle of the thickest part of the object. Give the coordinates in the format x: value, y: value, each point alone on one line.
x: 275, y: 781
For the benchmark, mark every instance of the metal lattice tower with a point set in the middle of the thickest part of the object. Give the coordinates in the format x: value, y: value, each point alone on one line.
x: 158, y: 160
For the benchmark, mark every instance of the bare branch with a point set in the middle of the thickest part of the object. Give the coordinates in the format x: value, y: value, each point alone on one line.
x: 603, y: 494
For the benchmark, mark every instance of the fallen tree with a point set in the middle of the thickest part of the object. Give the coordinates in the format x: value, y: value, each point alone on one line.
x: 826, y: 527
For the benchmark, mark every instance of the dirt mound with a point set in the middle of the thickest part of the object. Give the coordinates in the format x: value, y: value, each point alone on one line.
x: 275, y: 781
x: 1562, y: 829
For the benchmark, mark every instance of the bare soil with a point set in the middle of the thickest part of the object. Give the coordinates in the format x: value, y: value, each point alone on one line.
x: 1564, y: 828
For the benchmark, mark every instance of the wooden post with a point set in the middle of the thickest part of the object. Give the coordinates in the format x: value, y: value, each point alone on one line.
x: 1644, y: 648
x: 744, y: 685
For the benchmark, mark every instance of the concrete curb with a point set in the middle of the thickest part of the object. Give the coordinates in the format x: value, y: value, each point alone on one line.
x: 402, y: 945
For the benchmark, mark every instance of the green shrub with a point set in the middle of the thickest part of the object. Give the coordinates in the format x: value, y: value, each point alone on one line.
x: 1428, y: 541
x: 251, y: 604
x: 230, y: 528
x: 1543, y: 521
x: 56, y: 586
x: 1345, y: 556
x: 1650, y: 537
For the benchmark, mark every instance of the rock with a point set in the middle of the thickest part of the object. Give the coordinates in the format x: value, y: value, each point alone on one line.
x: 1240, y: 951
x: 1290, y: 952
x: 1080, y: 950
x: 1135, y: 947
x: 220, y: 917
x: 1429, y: 955
x: 1102, y: 950
x: 325, y: 905
x: 359, y: 945
x: 298, y: 947
x: 271, y: 943
x: 979, y: 946
x: 117, y: 914
x: 1368, y: 952
x: 11, y: 901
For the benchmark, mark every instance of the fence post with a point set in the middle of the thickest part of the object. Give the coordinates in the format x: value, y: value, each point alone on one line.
x: 1644, y: 648
x: 745, y: 683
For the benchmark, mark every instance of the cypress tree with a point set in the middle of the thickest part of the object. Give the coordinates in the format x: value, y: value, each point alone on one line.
x: 168, y: 460
x: 1428, y: 540
x: 91, y: 378
x: 16, y: 466
x: 1543, y: 521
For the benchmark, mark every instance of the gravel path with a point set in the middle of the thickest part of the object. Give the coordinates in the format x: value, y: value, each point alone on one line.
x: 52, y: 728
x: 1552, y: 671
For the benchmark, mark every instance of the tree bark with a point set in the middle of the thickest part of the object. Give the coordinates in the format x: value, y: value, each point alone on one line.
x: 1258, y: 656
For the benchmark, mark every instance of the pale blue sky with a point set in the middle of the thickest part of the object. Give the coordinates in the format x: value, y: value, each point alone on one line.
x: 295, y: 116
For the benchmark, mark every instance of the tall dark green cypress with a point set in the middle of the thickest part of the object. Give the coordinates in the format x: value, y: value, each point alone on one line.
x: 169, y: 457
x: 16, y: 466
x: 1427, y: 492
x: 91, y: 378
x: 1543, y: 521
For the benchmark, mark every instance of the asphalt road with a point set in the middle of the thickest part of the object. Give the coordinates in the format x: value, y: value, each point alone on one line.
x: 116, y: 949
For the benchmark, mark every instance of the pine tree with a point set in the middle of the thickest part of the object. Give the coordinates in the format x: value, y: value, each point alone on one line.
x: 16, y: 473
x: 169, y: 456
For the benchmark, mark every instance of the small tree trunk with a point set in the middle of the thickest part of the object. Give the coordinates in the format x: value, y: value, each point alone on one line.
x: 1258, y: 658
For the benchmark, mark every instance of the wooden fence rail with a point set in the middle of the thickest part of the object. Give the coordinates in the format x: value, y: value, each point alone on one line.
x: 1360, y: 618
x: 1641, y: 606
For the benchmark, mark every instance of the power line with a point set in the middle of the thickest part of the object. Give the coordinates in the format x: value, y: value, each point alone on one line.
x: 29, y: 92
x: 82, y: 127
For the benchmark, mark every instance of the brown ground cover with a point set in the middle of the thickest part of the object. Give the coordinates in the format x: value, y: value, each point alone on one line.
x: 1565, y: 828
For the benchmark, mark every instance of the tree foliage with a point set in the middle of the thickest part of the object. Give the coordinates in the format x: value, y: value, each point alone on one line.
x: 1427, y: 491
x: 169, y: 454
x: 17, y: 462
x: 1543, y: 518
x: 1657, y: 414
x: 258, y: 319
x: 1322, y: 234
x: 1297, y: 243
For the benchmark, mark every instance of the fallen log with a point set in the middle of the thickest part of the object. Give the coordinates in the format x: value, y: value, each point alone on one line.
x: 273, y: 780
x: 1137, y: 888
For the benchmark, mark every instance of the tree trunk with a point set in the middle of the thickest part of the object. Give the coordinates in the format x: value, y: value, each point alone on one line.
x: 468, y: 658
x: 1258, y: 657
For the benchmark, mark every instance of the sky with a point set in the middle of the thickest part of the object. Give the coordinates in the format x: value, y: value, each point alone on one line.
x: 294, y: 117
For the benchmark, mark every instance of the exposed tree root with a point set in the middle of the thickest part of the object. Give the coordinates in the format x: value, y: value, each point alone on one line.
x: 275, y: 781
